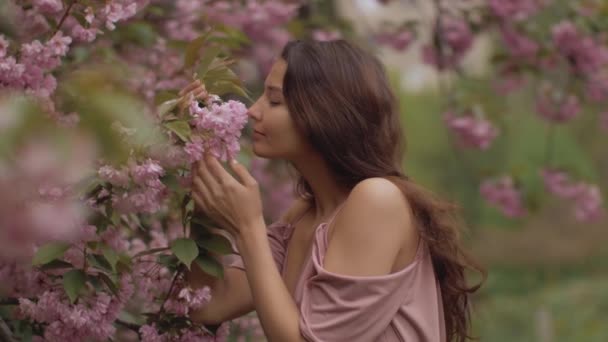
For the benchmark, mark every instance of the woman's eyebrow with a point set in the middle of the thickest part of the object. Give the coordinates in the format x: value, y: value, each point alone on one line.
x: 274, y: 88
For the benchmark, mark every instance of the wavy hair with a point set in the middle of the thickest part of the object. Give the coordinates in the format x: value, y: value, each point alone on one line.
x: 340, y: 98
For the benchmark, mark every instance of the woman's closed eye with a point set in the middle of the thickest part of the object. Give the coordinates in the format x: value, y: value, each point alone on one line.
x: 274, y: 103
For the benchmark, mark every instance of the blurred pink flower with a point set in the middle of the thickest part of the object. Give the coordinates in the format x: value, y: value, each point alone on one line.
x: 471, y: 131
x: 553, y: 105
x: 587, y: 198
x: 398, y: 40
x: 503, y: 194
x: 586, y: 55
x: 515, y: 9
x: 326, y: 36
x: 456, y: 38
x: 519, y: 45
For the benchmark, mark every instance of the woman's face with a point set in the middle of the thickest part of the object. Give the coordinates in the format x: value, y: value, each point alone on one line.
x: 274, y: 133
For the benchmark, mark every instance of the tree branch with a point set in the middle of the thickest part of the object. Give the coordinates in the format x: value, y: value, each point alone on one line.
x: 5, y: 332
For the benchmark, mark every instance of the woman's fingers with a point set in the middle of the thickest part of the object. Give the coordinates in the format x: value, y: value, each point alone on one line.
x: 242, y: 173
x: 210, y: 182
x: 217, y: 170
x: 201, y: 194
x: 190, y: 87
x: 199, y: 201
x: 201, y: 93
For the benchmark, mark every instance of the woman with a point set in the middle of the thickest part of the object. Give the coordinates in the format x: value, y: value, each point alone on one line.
x: 363, y: 254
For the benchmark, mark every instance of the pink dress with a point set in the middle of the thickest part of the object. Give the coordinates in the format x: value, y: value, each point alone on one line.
x: 401, y: 306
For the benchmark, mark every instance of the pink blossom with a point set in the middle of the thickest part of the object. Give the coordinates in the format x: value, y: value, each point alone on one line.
x: 188, y: 299
x: 261, y: 21
x: 48, y: 6
x: 509, y: 79
x: 398, y: 40
x: 472, y: 131
x: 194, y: 149
x: 115, y: 11
x: 456, y: 38
x: 519, y: 45
x: 515, y: 9
x: 4, y: 44
x: 583, y: 52
x: 555, y: 106
x: 596, y: 88
x: 586, y: 198
x: 147, y: 173
x: 149, y: 333
x: 219, y: 126
x: 42, y: 206
x: 114, y: 176
x: 326, y: 36
x: 503, y: 194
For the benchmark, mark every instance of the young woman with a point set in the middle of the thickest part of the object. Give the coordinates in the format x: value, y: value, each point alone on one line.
x: 363, y: 254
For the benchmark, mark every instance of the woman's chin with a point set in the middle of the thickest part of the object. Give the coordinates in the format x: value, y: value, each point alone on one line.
x: 259, y: 152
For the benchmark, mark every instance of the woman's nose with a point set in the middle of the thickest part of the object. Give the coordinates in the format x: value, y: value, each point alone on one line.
x: 254, y: 111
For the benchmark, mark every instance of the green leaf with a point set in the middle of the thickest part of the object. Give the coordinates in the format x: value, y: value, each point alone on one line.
x: 210, y: 266
x: 109, y: 283
x: 165, y: 95
x: 226, y: 87
x: 221, y: 73
x: 73, y: 283
x: 56, y: 264
x: 217, y: 244
x: 185, y: 250
x: 233, y: 33
x: 100, y: 262
x: 151, y: 251
x: 50, y: 252
x: 180, y: 128
x: 169, y: 261
x: 208, y: 56
x: 167, y: 106
x: 140, y: 32
x: 111, y: 257
x: 191, y: 54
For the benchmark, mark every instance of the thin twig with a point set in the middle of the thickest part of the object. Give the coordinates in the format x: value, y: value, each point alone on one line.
x: 162, y: 307
x: 9, y: 301
x: 5, y: 332
x: 64, y: 17
x: 131, y: 326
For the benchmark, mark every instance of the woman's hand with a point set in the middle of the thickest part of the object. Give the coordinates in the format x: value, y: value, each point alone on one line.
x: 235, y: 205
x: 193, y: 91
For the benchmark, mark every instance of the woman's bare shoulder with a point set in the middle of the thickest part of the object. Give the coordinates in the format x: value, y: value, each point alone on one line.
x: 297, y: 207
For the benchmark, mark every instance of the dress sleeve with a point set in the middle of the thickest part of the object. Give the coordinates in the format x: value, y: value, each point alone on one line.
x: 278, y: 236
x: 336, y: 307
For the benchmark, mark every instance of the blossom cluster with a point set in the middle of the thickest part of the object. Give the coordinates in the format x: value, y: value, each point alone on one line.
x: 262, y: 21
x: 92, y: 318
x: 136, y: 187
x: 217, y: 129
x: 504, y: 194
x: 472, y: 131
x: 586, y: 198
x: 43, y: 206
x: 455, y: 38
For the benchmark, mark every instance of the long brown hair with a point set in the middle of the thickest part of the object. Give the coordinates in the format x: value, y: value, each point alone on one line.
x: 340, y: 98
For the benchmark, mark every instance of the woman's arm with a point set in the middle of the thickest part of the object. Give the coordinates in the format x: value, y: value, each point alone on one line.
x: 230, y: 296
x: 276, y: 308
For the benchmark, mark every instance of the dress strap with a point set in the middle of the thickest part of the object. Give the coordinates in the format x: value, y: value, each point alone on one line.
x: 336, y: 211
